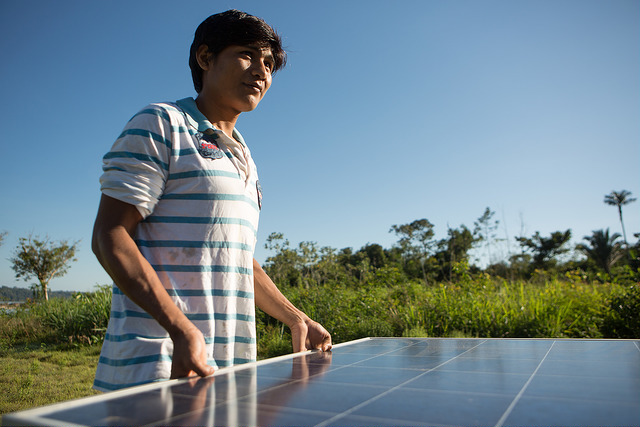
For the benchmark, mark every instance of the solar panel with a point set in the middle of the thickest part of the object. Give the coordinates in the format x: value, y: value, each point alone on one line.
x: 388, y: 382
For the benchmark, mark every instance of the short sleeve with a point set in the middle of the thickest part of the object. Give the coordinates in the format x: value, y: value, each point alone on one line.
x: 136, y: 168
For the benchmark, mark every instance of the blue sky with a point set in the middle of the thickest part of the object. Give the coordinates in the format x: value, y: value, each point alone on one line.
x: 387, y: 112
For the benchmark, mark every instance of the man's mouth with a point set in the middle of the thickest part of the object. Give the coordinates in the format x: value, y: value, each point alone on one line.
x: 255, y: 86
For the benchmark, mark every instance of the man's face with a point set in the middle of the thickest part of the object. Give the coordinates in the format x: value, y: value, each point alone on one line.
x: 237, y: 78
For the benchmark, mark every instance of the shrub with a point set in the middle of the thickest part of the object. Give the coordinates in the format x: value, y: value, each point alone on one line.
x: 623, y: 317
x: 80, y: 319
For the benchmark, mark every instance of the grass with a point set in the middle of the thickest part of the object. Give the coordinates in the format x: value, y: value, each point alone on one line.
x: 40, y: 376
x: 482, y: 307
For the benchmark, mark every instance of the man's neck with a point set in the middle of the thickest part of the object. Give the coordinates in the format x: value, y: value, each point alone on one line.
x: 226, y: 122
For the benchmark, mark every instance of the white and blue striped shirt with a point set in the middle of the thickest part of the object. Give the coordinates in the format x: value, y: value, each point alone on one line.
x: 199, y: 195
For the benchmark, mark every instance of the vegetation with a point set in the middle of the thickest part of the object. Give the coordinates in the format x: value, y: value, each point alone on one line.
x: 42, y: 259
x: 619, y: 199
x: 15, y: 294
x: 32, y: 377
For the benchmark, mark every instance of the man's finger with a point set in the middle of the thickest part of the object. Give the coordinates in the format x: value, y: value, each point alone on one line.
x: 326, y: 343
x: 203, y: 370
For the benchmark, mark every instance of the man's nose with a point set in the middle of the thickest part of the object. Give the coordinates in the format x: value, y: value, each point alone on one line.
x: 260, y: 69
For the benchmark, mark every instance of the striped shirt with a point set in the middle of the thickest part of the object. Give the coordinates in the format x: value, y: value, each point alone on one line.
x: 199, y: 195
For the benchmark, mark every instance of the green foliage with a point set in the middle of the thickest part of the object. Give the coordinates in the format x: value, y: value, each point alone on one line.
x: 545, y: 249
x: 17, y: 294
x: 623, y: 317
x: 273, y: 340
x: 80, y: 319
x: 416, y: 244
x: 473, y: 306
x: 603, y: 250
x: 42, y: 259
x: 410, y: 290
x: 485, y: 227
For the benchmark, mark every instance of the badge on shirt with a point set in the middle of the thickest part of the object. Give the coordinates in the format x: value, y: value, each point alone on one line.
x: 207, y: 146
x: 259, y: 190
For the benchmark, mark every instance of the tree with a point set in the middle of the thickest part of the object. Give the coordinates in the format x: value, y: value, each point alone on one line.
x: 375, y: 253
x: 545, y: 249
x: 416, y: 241
x: 485, y: 228
x: 284, y: 266
x: 619, y: 199
x: 603, y: 249
x: 42, y: 259
x: 455, y: 249
x: 2, y: 236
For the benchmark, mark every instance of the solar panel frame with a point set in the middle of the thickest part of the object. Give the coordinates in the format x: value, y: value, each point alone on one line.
x: 389, y: 381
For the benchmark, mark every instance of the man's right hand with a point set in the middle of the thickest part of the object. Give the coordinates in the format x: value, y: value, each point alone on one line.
x: 190, y: 355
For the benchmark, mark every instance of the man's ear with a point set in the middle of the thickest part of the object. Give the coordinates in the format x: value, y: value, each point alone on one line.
x: 203, y: 56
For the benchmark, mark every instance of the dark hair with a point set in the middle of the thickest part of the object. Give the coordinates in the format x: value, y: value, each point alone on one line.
x: 234, y: 28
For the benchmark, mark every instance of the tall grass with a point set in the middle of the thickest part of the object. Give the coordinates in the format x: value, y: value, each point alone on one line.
x: 478, y: 306
x: 81, y: 319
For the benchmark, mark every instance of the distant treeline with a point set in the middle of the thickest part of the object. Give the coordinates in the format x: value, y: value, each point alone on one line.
x: 16, y: 294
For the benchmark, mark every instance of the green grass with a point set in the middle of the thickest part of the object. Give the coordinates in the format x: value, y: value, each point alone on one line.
x: 35, y: 377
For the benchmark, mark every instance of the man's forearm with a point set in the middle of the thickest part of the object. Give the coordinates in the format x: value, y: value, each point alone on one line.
x: 135, y: 277
x: 270, y: 300
x: 113, y: 245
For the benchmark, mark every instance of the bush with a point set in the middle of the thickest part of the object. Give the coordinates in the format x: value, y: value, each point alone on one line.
x: 81, y: 319
x: 623, y: 317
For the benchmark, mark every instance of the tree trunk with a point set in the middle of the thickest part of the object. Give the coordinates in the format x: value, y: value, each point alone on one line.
x: 45, y: 290
x: 624, y: 233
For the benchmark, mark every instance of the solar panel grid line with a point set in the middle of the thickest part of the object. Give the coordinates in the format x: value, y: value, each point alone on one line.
x: 515, y: 401
x: 363, y: 404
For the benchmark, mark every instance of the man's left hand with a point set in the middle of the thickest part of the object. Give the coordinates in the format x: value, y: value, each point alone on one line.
x: 310, y: 335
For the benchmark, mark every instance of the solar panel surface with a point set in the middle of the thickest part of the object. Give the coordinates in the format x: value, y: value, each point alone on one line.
x: 389, y: 381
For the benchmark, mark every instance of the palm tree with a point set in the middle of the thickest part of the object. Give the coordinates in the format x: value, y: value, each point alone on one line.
x: 619, y: 199
x: 603, y: 250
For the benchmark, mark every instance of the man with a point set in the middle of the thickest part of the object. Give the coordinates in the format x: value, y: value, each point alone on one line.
x: 177, y: 221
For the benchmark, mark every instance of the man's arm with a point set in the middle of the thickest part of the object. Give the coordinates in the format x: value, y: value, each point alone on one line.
x: 113, y: 245
x: 305, y: 333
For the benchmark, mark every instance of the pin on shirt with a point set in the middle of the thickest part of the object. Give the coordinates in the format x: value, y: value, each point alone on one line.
x: 208, y: 147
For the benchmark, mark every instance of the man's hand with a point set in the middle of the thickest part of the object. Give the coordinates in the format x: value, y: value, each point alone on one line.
x: 190, y: 355
x: 309, y: 335
x: 305, y: 333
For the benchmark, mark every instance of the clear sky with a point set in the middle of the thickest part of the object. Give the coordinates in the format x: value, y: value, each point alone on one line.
x: 387, y: 112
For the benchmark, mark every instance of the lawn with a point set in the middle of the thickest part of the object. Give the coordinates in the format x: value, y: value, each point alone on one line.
x: 36, y: 377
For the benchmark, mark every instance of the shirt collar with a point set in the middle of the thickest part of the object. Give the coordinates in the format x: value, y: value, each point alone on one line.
x: 199, y: 121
